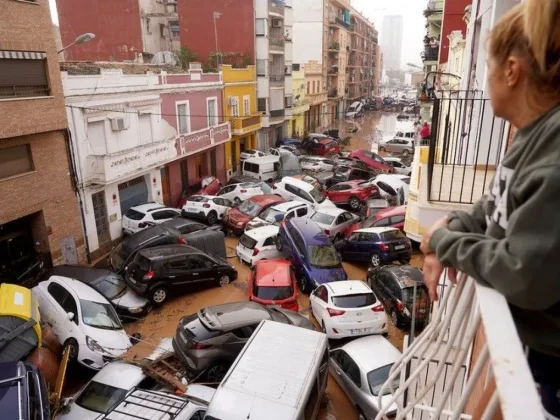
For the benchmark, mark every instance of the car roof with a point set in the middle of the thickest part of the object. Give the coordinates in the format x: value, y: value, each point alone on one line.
x: 262, y: 232
x: 264, y: 159
x: 391, y: 211
x: 332, y: 211
x: 266, y: 199
x: 148, y: 207
x: 406, y: 275
x: 85, y: 274
x: 377, y: 203
x: 233, y: 315
x: 312, y: 157
x: 163, y: 251
x: 376, y: 230
x: 120, y: 375
x: 132, y: 241
x: 177, y: 222
x: 392, y: 180
x: 348, y: 287
x: 288, y: 205
x: 372, y: 352
x: 310, y: 231
x: 270, y: 273
x: 392, y: 159
x: 82, y: 290
x: 298, y: 183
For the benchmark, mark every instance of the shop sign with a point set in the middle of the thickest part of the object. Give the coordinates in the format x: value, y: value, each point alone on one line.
x: 190, y: 143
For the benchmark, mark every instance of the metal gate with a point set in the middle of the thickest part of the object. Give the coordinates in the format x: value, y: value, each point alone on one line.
x: 101, y: 219
x: 133, y: 193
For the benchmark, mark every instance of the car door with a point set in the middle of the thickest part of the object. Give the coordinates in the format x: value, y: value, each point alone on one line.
x: 381, y: 285
x: 365, y: 246
x: 318, y: 299
x: 347, y: 373
x: 236, y: 340
x: 221, y: 205
x: 397, y: 221
x: 62, y: 302
x: 351, y: 247
x: 336, y: 195
x: 303, y: 195
x: 178, y: 274
x: 227, y: 192
x: 348, y: 220
x: 268, y: 249
x: 202, y: 268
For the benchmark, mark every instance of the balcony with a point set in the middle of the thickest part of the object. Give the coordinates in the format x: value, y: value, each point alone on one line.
x: 334, y: 47
x: 431, y: 53
x: 337, y: 20
x: 243, y: 125
x: 277, y: 80
x: 277, y: 116
x: 15, y: 92
x: 317, y: 98
x: 468, y: 363
x: 276, y: 7
x: 276, y: 44
x: 300, y: 106
x: 333, y: 93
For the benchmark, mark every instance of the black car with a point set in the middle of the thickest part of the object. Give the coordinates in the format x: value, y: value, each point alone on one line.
x: 164, y: 270
x: 394, y: 286
x: 349, y: 173
x: 157, y: 235
x: 240, y: 179
x: 112, y: 286
x: 187, y: 226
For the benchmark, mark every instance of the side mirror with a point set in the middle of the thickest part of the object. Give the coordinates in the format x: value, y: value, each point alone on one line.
x: 70, y: 316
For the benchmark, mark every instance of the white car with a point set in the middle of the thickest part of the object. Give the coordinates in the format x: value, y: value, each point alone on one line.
x: 82, y: 317
x: 251, y: 153
x: 295, y: 189
x: 258, y: 244
x: 347, y: 309
x: 206, y: 207
x: 334, y: 221
x: 399, y: 166
x: 236, y: 193
x: 280, y: 212
x: 393, y: 188
x: 145, y: 215
x: 316, y: 164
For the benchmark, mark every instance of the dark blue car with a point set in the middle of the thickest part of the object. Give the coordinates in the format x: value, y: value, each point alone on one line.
x: 311, y: 252
x: 288, y: 142
x: 377, y: 245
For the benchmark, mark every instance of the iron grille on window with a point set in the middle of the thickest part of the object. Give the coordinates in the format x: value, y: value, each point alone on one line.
x: 23, y: 74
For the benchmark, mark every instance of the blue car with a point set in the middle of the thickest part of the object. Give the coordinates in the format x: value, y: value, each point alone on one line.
x: 377, y: 245
x: 288, y: 142
x: 311, y: 252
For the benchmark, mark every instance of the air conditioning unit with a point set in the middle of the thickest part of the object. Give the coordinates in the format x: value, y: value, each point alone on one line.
x: 276, y: 23
x: 118, y: 124
x: 232, y: 101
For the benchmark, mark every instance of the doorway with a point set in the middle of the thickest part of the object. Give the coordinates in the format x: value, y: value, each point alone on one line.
x: 100, y: 216
x: 132, y: 193
x: 165, y: 186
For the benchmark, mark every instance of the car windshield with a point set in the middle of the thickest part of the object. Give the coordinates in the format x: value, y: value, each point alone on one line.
x: 376, y: 378
x: 111, y: 286
x: 249, y: 208
x: 392, y: 235
x: 354, y: 301
x: 265, y: 188
x: 119, y: 256
x: 273, y: 293
x: 324, y: 256
x: 269, y: 215
x: 317, y: 195
x: 100, y: 398
x: 322, y: 218
x: 99, y: 315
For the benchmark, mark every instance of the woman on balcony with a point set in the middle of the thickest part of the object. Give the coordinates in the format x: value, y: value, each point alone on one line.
x: 511, y: 238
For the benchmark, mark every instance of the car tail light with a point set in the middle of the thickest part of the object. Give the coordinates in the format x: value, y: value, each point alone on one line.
x: 199, y: 346
x: 400, y: 305
x: 142, y: 225
x: 327, y: 232
x: 243, y: 191
x: 206, y: 206
x: 255, y: 252
x: 274, y: 187
x: 181, y: 240
x: 335, y: 312
x: 384, y: 247
x: 377, y: 308
x: 149, y: 275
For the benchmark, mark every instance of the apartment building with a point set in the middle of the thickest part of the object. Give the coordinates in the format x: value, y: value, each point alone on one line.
x: 339, y: 49
x: 392, y: 40
x: 39, y: 216
x: 316, y: 93
x: 124, y: 30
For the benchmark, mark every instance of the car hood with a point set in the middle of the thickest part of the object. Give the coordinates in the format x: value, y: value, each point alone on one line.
x: 235, y: 216
x: 297, y: 319
x: 326, y: 275
x: 129, y: 299
x: 116, y: 342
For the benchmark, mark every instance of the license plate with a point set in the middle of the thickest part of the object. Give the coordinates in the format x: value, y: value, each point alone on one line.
x: 360, y: 330
x: 191, y: 210
x: 399, y: 247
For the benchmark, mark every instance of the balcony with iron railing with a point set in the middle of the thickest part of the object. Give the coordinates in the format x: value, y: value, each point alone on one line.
x: 431, y: 53
x: 276, y: 44
x: 276, y: 7
x: 246, y: 124
x: 277, y: 80
x: 277, y: 115
x: 29, y: 91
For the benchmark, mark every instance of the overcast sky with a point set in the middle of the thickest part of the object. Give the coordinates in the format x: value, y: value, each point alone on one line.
x: 411, y: 10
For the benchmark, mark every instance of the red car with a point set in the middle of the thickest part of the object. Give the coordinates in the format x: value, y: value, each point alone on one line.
x: 209, y: 185
x: 273, y: 282
x: 236, y: 219
x: 372, y: 160
x: 353, y: 193
x: 326, y: 147
x: 391, y: 216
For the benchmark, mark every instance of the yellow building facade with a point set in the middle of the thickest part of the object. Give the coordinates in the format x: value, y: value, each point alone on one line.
x: 301, y: 104
x: 240, y: 109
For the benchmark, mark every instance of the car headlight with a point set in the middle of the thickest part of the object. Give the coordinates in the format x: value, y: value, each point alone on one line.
x: 135, y: 310
x: 94, y: 345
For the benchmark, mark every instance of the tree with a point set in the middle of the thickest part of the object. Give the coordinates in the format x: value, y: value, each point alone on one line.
x: 185, y: 56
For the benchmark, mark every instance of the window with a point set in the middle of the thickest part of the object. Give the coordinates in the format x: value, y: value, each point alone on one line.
x: 177, y: 263
x: 145, y: 128
x: 302, y: 211
x: 261, y: 67
x: 174, y: 31
x: 288, y: 101
x: 382, y: 222
x: 234, y: 105
x: 162, y: 30
x: 148, y: 29
x: 260, y: 27
x: 313, y: 91
x: 212, y: 111
x: 308, y: 84
x: 23, y: 74
x: 199, y: 261
x: 322, y: 294
x: 183, y: 118
x: 244, y: 332
x: 270, y: 241
x: 164, y: 215
x: 15, y: 160
x: 58, y: 293
x: 261, y: 104
x: 396, y: 219
x: 367, y: 237
x: 246, y: 105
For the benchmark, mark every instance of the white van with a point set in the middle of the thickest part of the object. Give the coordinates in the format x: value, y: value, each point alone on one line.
x: 265, y: 168
x: 281, y: 374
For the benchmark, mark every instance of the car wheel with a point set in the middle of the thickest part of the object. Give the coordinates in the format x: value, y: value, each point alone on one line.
x: 237, y: 200
x: 375, y: 260
x: 279, y: 243
x: 158, y: 295
x: 224, y: 280
x: 72, y: 346
x: 381, y: 149
x: 216, y: 373
x: 303, y: 284
x: 212, y: 218
x: 405, y: 152
x: 354, y: 203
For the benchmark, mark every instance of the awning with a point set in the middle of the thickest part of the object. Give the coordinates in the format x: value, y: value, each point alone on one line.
x: 23, y: 55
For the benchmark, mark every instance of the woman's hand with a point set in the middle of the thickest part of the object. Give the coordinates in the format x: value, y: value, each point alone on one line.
x: 425, y: 244
x: 433, y: 270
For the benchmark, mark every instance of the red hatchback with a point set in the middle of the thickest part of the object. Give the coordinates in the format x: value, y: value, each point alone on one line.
x: 353, y: 193
x: 209, y: 185
x: 372, y: 160
x: 236, y: 219
x: 273, y: 282
x: 389, y: 217
x: 326, y: 147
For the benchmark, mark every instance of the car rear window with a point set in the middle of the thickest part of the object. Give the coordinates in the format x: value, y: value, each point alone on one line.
x: 100, y: 398
x: 199, y: 199
x: 273, y: 293
x: 325, y: 219
x: 392, y: 235
x: 421, y: 294
x: 134, y: 215
x: 324, y: 256
x: 194, y: 328
x: 354, y: 301
x: 247, y: 241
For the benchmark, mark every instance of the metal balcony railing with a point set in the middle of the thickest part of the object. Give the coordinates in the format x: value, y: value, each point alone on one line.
x: 276, y: 42
x: 468, y: 363
x: 277, y: 79
x: 277, y: 113
x: 7, y: 92
x: 431, y: 53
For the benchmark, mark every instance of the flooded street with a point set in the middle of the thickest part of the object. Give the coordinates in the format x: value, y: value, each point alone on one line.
x: 162, y: 322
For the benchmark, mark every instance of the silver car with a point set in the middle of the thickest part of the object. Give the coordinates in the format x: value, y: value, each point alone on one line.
x: 404, y: 146
x: 334, y: 221
x: 361, y: 367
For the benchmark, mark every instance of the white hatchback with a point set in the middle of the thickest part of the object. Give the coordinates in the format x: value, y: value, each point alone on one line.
x: 295, y: 189
x: 206, y: 207
x: 258, y: 244
x: 251, y: 153
x: 236, y: 193
x: 399, y: 165
x: 334, y: 221
x: 316, y: 164
x: 145, y: 215
x: 276, y: 214
x: 347, y: 309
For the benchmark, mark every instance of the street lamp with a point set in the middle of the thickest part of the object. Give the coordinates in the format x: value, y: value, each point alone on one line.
x: 416, y: 66
x: 82, y: 39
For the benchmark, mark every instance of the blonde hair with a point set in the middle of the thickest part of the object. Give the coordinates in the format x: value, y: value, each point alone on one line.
x: 531, y: 30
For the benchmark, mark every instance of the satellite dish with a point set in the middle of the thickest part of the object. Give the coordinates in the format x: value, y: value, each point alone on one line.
x: 165, y: 57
